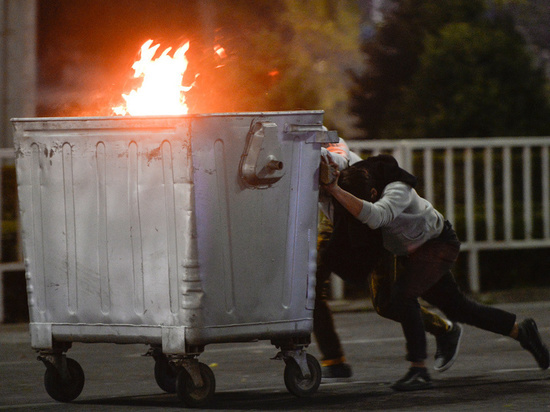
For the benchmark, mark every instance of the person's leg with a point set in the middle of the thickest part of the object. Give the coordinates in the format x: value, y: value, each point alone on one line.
x: 380, y: 285
x: 333, y: 360
x: 447, y: 333
x: 420, y: 271
x: 433, y: 323
x: 406, y: 308
x: 390, y: 298
x: 381, y: 282
x: 324, y: 329
x: 447, y: 296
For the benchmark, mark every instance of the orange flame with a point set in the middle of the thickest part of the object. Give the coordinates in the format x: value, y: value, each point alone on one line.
x: 161, y: 92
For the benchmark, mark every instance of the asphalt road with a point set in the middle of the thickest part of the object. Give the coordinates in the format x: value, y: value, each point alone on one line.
x: 492, y: 373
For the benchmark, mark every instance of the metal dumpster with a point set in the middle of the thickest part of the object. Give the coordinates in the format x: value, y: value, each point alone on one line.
x: 172, y: 231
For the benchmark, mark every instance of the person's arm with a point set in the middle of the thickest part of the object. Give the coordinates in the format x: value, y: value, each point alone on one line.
x: 395, y: 199
x: 353, y: 204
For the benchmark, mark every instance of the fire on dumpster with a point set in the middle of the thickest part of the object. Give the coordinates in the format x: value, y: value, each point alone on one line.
x: 161, y: 91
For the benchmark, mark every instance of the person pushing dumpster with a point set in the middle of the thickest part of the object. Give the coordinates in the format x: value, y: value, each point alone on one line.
x: 360, y: 261
x: 381, y: 195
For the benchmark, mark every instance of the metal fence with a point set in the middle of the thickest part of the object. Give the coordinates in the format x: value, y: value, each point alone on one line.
x: 495, y: 191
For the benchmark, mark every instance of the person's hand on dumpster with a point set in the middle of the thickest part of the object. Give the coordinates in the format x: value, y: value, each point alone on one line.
x: 345, y: 198
x: 329, y: 171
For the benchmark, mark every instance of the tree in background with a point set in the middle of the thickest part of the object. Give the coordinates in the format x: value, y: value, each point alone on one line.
x: 325, y: 45
x: 439, y: 69
x: 474, y: 80
x: 532, y: 19
x: 288, y: 57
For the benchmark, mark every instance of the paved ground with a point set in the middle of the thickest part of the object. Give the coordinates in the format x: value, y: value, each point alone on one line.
x: 492, y: 373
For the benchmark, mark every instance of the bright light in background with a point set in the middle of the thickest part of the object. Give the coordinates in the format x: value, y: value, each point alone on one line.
x: 161, y: 92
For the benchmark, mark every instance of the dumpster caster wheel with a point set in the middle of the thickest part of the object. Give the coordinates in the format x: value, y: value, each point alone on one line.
x: 68, y: 389
x: 192, y: 396
x: 165, y: 374
x: 295, y: 381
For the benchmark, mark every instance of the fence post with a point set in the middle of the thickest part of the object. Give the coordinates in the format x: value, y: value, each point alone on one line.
x: 1, y: 209
x: 473, y: 269
x: 336, y: 287
x: 545, y: 190
x: 449, y: 185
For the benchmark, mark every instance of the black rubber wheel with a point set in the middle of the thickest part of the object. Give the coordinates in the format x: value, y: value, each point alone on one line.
x: 295, y: 381
x: 165, y: 374
x: 192, y: 396
x: 64, y: 390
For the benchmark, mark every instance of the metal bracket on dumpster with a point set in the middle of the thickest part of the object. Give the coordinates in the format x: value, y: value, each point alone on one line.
x: 41, y: 335
x: 299, y: 356
x: 191, y: 365
x: 317, y: 133
x: 57, y: 361
x: 261, y: 163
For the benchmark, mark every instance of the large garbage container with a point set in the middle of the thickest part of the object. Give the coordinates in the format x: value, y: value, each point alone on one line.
x: 175, y: 232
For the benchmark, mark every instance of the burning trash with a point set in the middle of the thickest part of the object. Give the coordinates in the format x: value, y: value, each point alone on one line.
x: 161, y: 91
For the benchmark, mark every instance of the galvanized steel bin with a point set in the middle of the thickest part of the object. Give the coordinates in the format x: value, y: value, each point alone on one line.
x: 170, y: 231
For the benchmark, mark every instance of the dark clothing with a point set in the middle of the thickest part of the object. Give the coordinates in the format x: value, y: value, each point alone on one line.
x: 426, y: 273
x: 354, y: 250
x: 381, y: 284
x: 384, y: 170
x: 323, y: 323
x: 355, y: 265
x: 356, y: 253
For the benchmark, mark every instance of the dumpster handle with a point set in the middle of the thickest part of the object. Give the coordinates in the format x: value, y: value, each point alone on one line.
x: 260, y: 165
x: 318, y: 132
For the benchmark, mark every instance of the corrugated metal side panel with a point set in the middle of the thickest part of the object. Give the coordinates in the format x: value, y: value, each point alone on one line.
x: 106, y: 223
x: 257, y: 246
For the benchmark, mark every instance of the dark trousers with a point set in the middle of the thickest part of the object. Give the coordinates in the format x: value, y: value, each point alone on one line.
x: 426, y: 273
x: 323, y: 323
x: 381, y: 282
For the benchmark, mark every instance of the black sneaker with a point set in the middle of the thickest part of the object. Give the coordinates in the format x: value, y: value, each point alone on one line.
x: 447, y: 348
x: 529, y: 338
x: 416, y: 379
x: 336, y: 371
